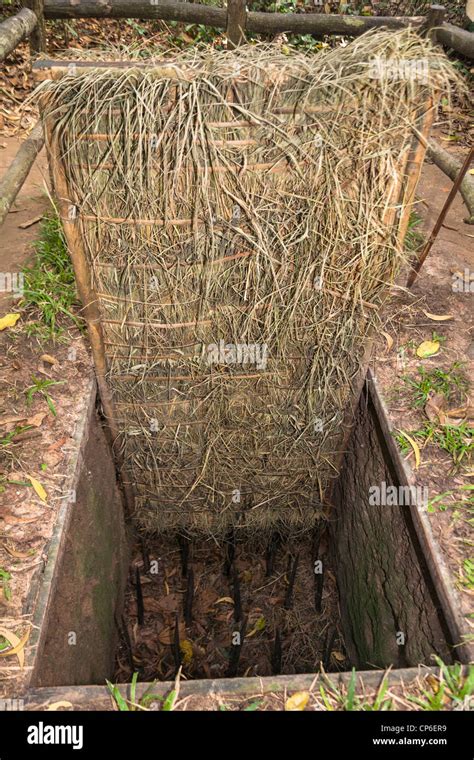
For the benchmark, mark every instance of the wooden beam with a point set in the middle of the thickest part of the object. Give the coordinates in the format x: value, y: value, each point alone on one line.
x: 15, y: 29
x: 451, y: 167
x: 12, y: 182
x: 38, y: 36
x: 434, y: 19
x: 196, y: 13
x: 457, y: 39
x: 236, y: 22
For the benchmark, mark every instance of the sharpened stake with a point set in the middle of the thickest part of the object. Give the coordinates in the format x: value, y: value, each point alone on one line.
x: 237, y: 597
x: 122, y: 626
x: 276, y: 654
x: 271, y: 554
x: 145, y: 555
x: 184, y: 550
x: 328, y: 645
x: 318, y: 593
x: 139, y: 595
x: 291, y: 584
x: 236, y: 651
x: 176, y: 647
x: 315, y: 544
x: 229, y: 552
x: 188, y: 599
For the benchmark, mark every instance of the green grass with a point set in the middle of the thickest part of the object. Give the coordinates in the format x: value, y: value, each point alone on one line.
x: 467, y: 574
x: 452, y: 383
x: 456, y: 440
x: 49, y: 287
x: 5, y: 579
x: 40, y: 386
x: 454, y: 691
x: 414, y: 238
x: 130, y: 705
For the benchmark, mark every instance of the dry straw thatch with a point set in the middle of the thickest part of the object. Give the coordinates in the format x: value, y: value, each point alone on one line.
x: 251, y: 198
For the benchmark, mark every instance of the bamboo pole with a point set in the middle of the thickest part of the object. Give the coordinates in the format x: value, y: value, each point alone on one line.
x: 90, y: 310
x: 415, y: 163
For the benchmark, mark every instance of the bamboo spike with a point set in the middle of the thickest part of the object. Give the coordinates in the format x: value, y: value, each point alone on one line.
x: 236, y: 652
x: 123, y: 631
x: 139, y: 597
x: 328, y: 647
x: 144, y: 550
x: 276, y: 654
x: 229, y: 552
x: 238, y: 615
x: 291, y: 583
x: 189, y: 598
x: 184, y: 552
x: 318, y: 593
x: 176, y: 645
x: 271, y: 553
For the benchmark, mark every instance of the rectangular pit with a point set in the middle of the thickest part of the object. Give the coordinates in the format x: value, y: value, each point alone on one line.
x: 386, y: 598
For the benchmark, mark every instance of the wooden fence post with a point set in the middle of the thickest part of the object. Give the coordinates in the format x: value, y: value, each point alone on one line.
x: 236, y: 22
x: 434, y: 19
x: 38, y: 36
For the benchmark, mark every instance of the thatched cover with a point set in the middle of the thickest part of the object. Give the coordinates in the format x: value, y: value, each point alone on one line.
x: 239, y: 215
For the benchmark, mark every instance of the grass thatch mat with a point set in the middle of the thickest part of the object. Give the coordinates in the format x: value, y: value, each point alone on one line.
x: 246, y: 198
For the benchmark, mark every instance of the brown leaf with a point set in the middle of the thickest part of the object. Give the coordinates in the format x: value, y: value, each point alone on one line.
x: 168, y: 604
x: 37, y: 419
x: 48, y: 359
x: 167, y: 634
x: 434, y: 408
x: 30, y: 222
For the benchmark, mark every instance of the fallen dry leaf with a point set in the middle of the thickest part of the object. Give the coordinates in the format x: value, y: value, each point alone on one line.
x: 48, y: 359
x: 297, y: 701
x: 167, y: 634
x: 17, y: 644
x: 9, y: 320
x: 17, y: 554
x: 427, y: 348
x: 415, y: 447
x: 38, y: 488
x: 388, y: 340
x: 434, y: 408
x: 438, y: 317
x: 30, y: 222
x: 37, y: 419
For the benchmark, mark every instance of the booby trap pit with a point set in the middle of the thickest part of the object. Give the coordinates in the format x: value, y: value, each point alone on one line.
x: 236, y: 221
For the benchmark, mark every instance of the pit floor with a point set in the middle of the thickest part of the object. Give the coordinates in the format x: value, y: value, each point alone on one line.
x: 280, y: 635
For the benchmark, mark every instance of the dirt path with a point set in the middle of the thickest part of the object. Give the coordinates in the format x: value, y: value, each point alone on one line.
x: 31, y: 203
